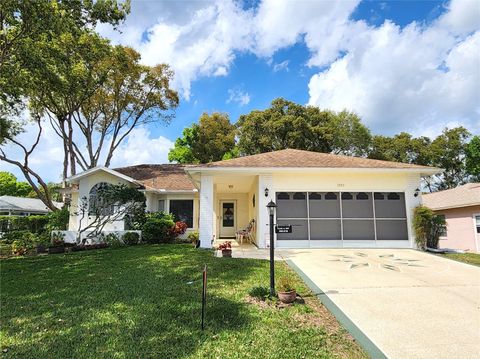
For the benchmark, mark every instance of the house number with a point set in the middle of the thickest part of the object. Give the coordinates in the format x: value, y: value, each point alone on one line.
x: 340, y: 185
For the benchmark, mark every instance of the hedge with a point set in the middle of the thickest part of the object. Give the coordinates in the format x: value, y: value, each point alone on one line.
x: 34, y: 224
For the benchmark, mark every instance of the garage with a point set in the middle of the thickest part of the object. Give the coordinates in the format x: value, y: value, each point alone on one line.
x: 341, y: 219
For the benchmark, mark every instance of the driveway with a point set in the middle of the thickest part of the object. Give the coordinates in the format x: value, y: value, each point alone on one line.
x: 408, y: 303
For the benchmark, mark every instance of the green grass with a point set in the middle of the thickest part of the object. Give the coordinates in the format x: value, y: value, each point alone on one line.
x: 140, y: 302
x: 470, y: 258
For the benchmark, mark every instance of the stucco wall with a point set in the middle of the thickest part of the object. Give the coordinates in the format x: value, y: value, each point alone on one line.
x: 460, y: 228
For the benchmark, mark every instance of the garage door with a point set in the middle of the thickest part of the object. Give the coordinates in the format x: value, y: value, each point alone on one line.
x: 332, y: 219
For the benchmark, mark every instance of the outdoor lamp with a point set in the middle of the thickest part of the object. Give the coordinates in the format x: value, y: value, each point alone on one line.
x: 266, y: 192
x: 271, y: 207
x: 417, y: 192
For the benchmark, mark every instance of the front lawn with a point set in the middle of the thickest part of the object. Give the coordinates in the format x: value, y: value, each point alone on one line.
x: 144, y: 301
x: 470, y: 258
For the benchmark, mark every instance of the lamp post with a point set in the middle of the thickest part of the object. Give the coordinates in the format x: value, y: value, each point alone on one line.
x: 271, y: 210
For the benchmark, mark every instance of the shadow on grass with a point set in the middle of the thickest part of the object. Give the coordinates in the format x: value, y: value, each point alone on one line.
x: 137, y: 301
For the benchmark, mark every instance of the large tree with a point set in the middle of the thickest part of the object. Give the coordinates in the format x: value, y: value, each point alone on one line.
x: 473, y: 157
x: 286, y: 124
x: 401, y: 148
x: 210, y: 140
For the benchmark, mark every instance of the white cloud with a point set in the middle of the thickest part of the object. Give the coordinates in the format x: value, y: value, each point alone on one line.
x: 281, y: 66
x: 418, y: 78
x: 238, y: 96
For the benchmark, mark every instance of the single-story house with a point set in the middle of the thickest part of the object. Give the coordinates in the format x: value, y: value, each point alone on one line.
x: 21, y: 206
x: 330, y: 200
x: 461, y: 208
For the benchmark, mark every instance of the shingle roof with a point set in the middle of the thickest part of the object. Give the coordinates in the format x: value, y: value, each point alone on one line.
x: 170, y: 177
x: 298, y: 158
x: 22, y: 204
x: 462, y: 196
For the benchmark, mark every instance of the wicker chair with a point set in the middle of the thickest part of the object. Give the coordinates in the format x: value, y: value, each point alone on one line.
x: 245, y: 233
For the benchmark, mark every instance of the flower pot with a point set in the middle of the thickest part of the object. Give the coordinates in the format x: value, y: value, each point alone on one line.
x: 287, y: 297
x: 56, y: 249
x: 226, y: 253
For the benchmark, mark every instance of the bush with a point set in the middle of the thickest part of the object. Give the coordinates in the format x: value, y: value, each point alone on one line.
x: 113, y: 240
x: 131, y: 238
x: 156, y: 227
x: 193, y: 237
x: 24, y: 243
x: 428, y: 227
x: 58, y: 220
x: 259, y: 292
x: 285, y: 284
x: 58, y: 239
x: 35, y: 224
x: 178, y: 229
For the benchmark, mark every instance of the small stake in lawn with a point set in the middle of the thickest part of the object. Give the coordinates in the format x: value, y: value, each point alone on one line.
x: 204, y: 294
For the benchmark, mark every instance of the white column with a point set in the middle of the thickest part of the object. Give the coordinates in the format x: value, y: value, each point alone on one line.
x: 206, y: 211
x: 263, y: 220
x: 413, y: 183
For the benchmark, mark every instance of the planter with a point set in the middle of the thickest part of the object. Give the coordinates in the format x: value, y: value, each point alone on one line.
x: 56, y: 249
x: 227, y: 253
x: 287, y: 297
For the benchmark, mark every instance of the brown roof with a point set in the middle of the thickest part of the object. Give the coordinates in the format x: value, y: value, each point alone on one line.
x: 462, y: 196
x: 299, y: 158
x: 170, y: 177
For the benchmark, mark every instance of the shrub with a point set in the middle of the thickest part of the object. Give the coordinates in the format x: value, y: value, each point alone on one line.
x: 113, y: 240
x: 156, y: 227
x: 285, y: 283
x: 259, y: 292
x: 24, y: 243
x: 9, y: 237
x: 193, y: 237
x: 35, y: 224
x: 131, y: 238
x: 178, y: 229
x: 58, y: 220
x: 58, y: 238
x: 428, y: 227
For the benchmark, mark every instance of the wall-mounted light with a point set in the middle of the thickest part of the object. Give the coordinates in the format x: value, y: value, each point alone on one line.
x: 416, y: 193
x: 230, y: 186
x: 266, y: 192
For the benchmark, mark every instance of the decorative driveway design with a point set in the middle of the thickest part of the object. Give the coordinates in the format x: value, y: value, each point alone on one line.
x: 410, y: 304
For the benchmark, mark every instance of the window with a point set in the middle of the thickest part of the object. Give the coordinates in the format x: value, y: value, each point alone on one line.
x: 443, y: 232
x: 299, y: 195
x: 182, y: 210
x: 314, y: 196
x: 477, y: 223
x: 161, y: 205
x: 97, y: 203
x: 378, y: 196
x: 393, y: 196
x: 362, y: 196
x: 330, y: 196
x: 283, y: 195
x: 347, y: 196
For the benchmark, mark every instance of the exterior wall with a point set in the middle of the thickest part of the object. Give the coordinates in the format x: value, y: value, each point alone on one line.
x: 85, y: 185
x: 460, y: 228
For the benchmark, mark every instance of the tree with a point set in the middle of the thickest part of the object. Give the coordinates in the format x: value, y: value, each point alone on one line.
x: 209, y: 140
x: 289, y: 125
x: 110, y: 203
x: 10, y: 186
x: 401, y: 148
x: 473, y: 157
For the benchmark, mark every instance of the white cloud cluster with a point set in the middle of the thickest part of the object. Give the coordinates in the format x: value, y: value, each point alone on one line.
x: 238, y: 96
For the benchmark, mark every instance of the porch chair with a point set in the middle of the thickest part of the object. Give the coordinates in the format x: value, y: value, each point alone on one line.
x: 246, y: 232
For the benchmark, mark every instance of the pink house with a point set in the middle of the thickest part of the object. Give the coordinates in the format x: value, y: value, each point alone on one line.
x: 461, y: 208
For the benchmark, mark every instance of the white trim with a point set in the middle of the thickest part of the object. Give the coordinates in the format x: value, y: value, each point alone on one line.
x: 104, y: 169
x: 452, y: 207
x: 220, y: 219
x: 476, y: 236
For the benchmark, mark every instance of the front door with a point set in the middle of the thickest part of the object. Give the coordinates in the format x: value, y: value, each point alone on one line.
x: 228, y: 219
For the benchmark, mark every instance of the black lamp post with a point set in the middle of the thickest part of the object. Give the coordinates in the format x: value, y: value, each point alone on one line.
x: 271, y: 210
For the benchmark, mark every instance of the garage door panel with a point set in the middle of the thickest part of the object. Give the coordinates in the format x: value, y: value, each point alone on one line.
x: 390, y: 205
x: 392, y: 230
x: 357, y: 205
x: 324, y: 205
x: 299, y: 229
x: 358, y: 230
x: 292, y: 205
x: 325, y: 229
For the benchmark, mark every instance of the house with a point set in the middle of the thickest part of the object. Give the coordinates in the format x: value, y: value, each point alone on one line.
x: 330, y: 200
x: 461, y: 208
x: 21, y: 206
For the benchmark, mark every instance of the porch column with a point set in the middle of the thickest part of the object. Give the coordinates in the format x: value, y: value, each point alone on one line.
x: 413, y: 182
x: 206, y: 211
x: 263, y: 226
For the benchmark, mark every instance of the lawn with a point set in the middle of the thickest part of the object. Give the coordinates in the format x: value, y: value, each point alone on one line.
x: 144, y: 301
x: 470, y: 258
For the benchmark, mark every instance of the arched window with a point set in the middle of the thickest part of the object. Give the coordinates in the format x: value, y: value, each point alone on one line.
x: 97, y: 203
x: 283, y: 195
x: 347, y: 196
x: 314, y: 195
x: 330, y: 196
x: 362, y: 196
x: 299, y: 195
x: 393, y: 196
x: 378, y: 196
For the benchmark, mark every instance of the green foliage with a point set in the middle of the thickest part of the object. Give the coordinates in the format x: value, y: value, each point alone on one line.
x: 259, y: 292
x: 58, y: 220
x: 9, y: 186
x: 24, y: 241
x: 113, y: 240
x: 285, y: 283
x: 428, y: 227
x: 193, y: 237
x: 157, y: 226
x: 473, y: 157
x: 35, y: 224
x: 207, y: 141
x: 131, y: 238
x: 401, y: 148
x: 289, y: 125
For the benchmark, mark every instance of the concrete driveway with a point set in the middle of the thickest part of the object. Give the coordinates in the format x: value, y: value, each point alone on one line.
x: 408, y: 303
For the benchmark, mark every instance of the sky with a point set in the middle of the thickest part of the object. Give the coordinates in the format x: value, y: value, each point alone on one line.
x: 402, y: 66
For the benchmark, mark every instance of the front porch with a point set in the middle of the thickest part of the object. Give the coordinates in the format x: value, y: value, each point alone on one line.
x: 248, y: 250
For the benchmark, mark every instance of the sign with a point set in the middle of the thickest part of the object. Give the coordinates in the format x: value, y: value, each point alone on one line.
x: 283, y: 229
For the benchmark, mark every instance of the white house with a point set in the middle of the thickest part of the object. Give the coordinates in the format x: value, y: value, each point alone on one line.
x: 330, y: 200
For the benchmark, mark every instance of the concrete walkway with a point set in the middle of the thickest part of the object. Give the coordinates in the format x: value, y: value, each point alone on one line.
x: 408, y: 303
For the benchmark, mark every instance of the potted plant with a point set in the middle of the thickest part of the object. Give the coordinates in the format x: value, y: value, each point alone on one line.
x: 286, y: 290
x: 226, y: 248
x: 58, y: 244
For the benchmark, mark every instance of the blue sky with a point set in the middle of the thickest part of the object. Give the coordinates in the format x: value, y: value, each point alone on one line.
x: 401, y: 65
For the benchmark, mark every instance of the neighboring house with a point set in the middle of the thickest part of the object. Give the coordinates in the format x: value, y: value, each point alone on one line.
x: 21, y: 206
x: 330, y: 200
x: 461, y: 208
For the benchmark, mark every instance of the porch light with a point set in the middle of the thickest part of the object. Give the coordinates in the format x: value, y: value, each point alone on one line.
x: 271, y: 207
x: 266, y: 192
x: 416, y: 193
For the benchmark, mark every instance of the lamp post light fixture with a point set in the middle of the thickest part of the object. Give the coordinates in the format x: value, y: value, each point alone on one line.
x: 271, y: 211
x: 266, y: 192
